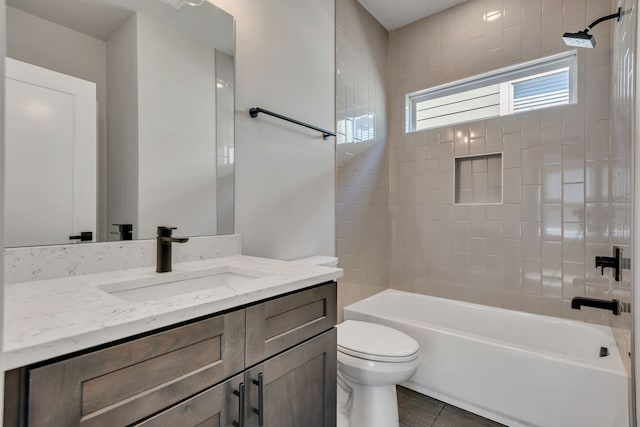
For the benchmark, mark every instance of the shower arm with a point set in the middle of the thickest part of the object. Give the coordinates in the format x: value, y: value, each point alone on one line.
x: 617, y: 15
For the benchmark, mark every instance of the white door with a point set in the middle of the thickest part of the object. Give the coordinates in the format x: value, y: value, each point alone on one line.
x: 50, y: 156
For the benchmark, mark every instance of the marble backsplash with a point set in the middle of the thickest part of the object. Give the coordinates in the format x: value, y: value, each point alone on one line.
x: 48, y: 262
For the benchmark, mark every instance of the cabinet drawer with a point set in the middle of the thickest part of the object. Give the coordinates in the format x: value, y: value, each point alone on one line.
x: 281, y: 323
x: 127, y: 382
x: 219, y: 406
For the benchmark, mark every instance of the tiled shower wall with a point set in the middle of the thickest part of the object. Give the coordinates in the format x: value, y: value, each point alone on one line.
x: 535, y: 251
x: 362, y: 60
x: 623, y: 134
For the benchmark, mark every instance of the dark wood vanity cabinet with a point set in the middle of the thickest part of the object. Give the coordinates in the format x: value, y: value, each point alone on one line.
x: 274, y: 361
x: 125, y: 383
x: 296, y: 388
x: 216, y: 407
x: 281, y: 323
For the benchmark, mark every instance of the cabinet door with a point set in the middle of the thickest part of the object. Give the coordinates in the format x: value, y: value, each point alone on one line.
x: 125, y: 383
x: 281, y: 323
x: 296, y: 388
x: 219, y: 406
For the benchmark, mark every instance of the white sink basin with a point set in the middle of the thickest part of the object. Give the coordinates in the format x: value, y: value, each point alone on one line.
x: 165, y: 285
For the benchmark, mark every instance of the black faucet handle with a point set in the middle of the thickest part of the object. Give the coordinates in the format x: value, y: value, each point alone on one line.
x: 165, y: 231
x: 125, y: 231
x: 84, y: 236
x: 610, y: 262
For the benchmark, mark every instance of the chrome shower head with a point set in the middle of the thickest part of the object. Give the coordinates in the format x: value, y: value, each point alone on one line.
x: 583, y: 38
x: 579, y: 39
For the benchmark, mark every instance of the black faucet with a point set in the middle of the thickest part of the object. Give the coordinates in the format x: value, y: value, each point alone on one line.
x: 125, y: 231
x: 613, y: 305
x: 164, y: 241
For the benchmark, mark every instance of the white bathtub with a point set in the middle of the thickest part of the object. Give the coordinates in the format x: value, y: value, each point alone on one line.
x: 516, y: 368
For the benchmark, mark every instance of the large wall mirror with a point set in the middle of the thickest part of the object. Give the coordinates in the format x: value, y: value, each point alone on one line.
x: 119, y: 118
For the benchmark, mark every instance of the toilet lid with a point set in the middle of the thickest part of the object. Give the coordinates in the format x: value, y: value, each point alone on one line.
x: 375, y: 342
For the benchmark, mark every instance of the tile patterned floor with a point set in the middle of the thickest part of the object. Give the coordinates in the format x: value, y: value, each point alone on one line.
x: 417, y: 410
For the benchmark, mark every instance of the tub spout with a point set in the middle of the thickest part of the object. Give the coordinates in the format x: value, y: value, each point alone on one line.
x: 613, y: 305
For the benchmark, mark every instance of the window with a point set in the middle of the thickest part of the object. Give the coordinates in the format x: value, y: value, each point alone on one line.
x: 542, y: 83
x: 540, y: 91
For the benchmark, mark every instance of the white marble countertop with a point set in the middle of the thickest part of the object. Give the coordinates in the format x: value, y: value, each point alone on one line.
x: 54, y: 317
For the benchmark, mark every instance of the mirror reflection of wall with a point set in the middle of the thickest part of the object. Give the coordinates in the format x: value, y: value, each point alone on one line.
x: 225, y: 110
x: 163, y: 82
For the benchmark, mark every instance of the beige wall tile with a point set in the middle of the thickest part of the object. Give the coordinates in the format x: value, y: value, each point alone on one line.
x: 552, y: 221
x: 573, y: 163
x: 622, y: 125
x: 573, y: 203
x: 531, y: 166
x: 512, y: 187
x: 534, y: 251
x: 364, y: 241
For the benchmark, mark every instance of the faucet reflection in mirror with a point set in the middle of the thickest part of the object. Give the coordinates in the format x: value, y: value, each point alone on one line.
x: 157, y: 148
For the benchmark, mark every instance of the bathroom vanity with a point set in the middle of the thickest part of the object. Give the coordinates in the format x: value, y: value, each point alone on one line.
x: 253, y: 351
x: 93, y: 335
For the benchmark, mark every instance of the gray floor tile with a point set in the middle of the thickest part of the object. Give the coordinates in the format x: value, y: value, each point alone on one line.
x: 417, y: 410
x: 416, y: 419
x: 454, y: 417
x: 409, y: 400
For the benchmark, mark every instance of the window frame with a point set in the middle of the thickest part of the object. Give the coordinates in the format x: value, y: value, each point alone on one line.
x: 502, y: 76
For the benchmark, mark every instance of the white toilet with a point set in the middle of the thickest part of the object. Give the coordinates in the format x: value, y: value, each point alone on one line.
x: 372, y: 359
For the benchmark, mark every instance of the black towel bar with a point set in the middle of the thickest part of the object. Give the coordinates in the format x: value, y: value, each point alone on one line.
x: 253, y: 112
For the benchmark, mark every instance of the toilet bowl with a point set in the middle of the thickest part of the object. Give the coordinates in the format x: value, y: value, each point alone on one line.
x: 372, y: 359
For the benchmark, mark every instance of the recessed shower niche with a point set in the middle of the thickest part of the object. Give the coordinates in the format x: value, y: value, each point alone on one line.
x: 478, y: 179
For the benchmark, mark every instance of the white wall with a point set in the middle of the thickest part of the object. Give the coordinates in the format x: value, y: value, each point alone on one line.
x: 176, y: 130
x: 162, y: 152
x: 40, y: 42
x: 2, y: 54
x: 635, y: 303
x: 285, y: 174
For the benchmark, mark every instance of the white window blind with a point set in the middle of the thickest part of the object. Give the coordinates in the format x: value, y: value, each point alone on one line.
x: 464, y: 106
x: 545, y: 90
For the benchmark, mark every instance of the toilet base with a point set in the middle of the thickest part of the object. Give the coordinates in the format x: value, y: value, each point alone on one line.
x: 366, y: 406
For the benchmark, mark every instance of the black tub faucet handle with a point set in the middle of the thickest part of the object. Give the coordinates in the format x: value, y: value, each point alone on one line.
x: 613, y: 262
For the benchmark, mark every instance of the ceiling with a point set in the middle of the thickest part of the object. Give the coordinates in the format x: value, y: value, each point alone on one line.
x: 101, y: 18
x: 398, y: 13
x: 96, y: 19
